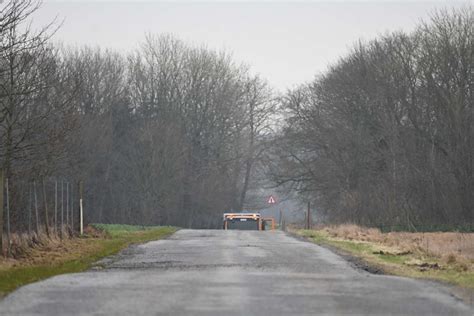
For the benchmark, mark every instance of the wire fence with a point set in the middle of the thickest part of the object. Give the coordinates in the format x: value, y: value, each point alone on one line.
x: 38, y: 208
x: 387, y: 228
x: 464, y: 227
x: 427, y: 226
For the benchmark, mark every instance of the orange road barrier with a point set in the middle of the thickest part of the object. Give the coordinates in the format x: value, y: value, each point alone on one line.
x: 251, y: 217
x: 270, y: 219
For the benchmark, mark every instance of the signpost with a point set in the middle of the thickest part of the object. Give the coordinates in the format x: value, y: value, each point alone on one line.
x: 271, y: 200
x: 308, y: 216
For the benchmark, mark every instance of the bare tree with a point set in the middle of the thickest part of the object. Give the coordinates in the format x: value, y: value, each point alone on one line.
x: 385, y: 136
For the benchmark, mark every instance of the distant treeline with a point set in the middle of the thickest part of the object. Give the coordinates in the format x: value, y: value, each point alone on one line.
x: 176, y: 134
x: 386, y: 135
x: 167, y: 134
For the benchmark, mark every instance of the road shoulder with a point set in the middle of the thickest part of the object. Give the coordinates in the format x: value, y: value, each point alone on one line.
x: 373, y: 264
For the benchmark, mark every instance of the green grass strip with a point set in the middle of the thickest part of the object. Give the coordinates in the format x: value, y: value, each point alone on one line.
x: 118, y: 238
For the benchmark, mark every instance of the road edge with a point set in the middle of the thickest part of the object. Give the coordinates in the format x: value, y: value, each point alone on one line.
x: 109, y: 246
x: 459, y: 293
x: 102, y: 263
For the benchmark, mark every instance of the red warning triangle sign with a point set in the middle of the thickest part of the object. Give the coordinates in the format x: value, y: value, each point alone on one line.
x: 271, y: 200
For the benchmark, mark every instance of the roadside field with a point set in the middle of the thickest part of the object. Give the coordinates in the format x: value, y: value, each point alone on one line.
x: 74, y: 255
x: 439, y: 256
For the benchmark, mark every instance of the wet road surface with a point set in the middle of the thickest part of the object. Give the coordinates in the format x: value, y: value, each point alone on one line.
x: 216, y: 272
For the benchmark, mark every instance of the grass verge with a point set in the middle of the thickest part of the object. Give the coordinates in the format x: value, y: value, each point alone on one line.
x: 392, y: 260
x: 74, y: 255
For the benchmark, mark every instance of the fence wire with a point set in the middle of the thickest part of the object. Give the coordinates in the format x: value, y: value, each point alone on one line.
x: 39, y: 207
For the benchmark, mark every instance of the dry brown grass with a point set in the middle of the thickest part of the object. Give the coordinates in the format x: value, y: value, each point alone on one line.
x: 37, y: 249
x: 450, y: 246
x: 447, y: 257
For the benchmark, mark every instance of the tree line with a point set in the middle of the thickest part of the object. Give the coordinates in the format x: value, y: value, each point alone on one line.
x: 168, y: 134
x: 176, y: 134
x: 386, y: 135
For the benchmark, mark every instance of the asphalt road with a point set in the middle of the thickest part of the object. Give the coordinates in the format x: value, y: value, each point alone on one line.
x: 214, y: 272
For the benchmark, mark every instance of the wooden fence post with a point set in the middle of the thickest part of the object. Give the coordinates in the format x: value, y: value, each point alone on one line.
x: 9, y: 238
x: 45, y: 204
x: 1, y: 210
x: 81, y: 209
x: 56, y: 206
x: 308, y: 219
x: 67, y: 206
x: 72, y: 206
x: 29, y: 208
x: 36, y: 209
x: 62, y: 210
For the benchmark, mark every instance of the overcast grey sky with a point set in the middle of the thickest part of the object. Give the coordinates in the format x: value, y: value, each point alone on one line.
x: 285, y: 42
